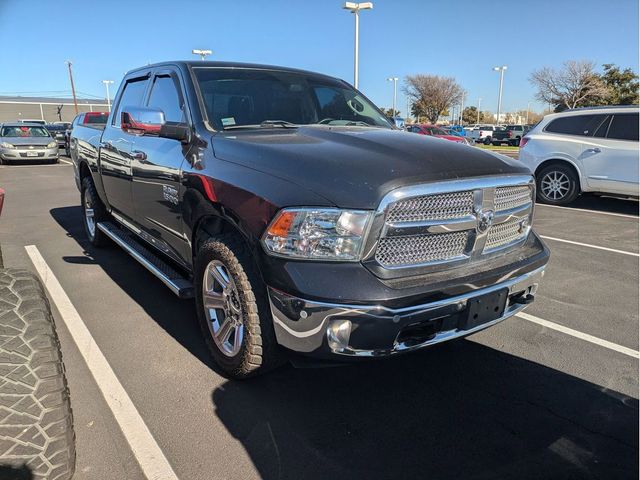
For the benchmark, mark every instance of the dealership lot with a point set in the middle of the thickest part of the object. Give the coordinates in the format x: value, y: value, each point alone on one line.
x: 519, y: 400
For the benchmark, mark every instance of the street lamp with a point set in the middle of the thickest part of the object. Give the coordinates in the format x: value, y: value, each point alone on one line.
x: 528, y: 108
x: 501, y: 70
x: 106, y: 85
x: 355, y: 9
x: 395, y: 93
x: 203, y: 53
x: 478, y: 119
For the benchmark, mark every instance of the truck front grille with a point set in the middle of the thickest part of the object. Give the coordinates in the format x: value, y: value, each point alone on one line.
x: 419, y: 249
x: 422, y: 228
x: 432, y: 207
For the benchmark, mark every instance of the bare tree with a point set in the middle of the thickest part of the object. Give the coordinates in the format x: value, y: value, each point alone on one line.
x: 574, y: 85
x: 432, y: 95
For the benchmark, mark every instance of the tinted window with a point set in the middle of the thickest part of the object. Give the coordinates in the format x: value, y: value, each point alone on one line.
x: 96, y: 118
x: 131, y: 97
x: 576, y: 124
x: 23, y: 132
x: 164, y: 96
x: 624, y: 126
x: 601, y: 131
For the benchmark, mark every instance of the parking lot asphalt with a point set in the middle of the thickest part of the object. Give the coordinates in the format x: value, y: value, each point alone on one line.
x: 518, y: 400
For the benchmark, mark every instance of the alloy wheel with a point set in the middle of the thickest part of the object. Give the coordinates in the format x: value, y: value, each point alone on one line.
x: 555, y: 185
x: 89, y: 215
x: 221, y: 302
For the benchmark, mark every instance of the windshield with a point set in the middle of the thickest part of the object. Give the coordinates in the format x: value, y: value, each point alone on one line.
x: 23, y: 132
x: 438, y: 131
x: 243, y: 97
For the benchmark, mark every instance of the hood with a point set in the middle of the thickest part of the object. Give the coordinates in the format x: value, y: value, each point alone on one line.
x: 354, y: 167
x: 27, y: 140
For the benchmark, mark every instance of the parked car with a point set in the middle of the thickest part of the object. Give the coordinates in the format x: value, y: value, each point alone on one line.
x: 96, y: 119
x: 511, y: 135
x: 435, y: 131
x: 583, y: 150
x: 57, y: 131
x: 300, y: 219
x: 457, y: 130
x: 482, y: 134
x: 24, y: 141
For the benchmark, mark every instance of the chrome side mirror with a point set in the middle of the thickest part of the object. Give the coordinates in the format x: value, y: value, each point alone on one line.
x: 142, y: 121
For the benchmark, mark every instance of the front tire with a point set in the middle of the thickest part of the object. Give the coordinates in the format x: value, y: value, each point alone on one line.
x: 487, y: 141
x: 557, y: 184
x: 233, y: 312
x: 36, y: 425
x: 93, y: 212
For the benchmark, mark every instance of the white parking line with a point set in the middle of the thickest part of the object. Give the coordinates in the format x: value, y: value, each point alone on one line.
x: 590, y: 246
x: 635, y: 217
x: 65, y: 161
x: 152, y: 461
x: 583, y: 336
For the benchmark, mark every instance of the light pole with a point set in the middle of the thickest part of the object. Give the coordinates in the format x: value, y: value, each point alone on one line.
x: 106, y: 85
x: 395, y: 93
x: 501, y: 70
x: 203, y: 53
x: 462, y: 108
x: 73, y: 88
x: 355, y: 9
x: 478, y: 119
x: 528, y: 108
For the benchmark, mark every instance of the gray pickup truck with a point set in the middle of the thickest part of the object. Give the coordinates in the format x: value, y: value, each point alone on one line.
x: 300, y: 218
x: 511, y: 135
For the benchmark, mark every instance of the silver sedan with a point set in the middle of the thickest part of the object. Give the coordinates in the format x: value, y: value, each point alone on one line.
x: 23, y: 141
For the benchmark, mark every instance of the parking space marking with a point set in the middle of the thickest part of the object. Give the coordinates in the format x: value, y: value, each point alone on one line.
x: 590, y: 246
x: 623, y: 215
x: 152, y: 461
x: 583, y: 336
x: 65, y: 161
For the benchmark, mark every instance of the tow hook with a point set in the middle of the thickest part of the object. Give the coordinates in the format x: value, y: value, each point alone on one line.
x: 524, y: 299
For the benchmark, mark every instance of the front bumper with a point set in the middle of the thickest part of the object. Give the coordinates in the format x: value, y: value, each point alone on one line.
x: 328, y: 329
x: 36, y: 154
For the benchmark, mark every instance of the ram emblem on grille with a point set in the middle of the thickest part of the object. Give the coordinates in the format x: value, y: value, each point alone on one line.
x: 485, y: 220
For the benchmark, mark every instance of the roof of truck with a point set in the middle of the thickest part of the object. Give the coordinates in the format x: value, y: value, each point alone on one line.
x: 200, y: 63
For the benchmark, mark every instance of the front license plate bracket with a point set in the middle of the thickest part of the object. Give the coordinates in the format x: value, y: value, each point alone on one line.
x: 484, y: 308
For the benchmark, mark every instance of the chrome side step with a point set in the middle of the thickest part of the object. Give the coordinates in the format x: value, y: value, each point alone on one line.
x: 176, y: 282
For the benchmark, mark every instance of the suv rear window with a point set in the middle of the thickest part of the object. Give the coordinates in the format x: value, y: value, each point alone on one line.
x: 624, y: 126
x: 584, y: 125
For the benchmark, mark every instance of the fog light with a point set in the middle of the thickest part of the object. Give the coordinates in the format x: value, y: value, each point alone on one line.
x: 338, y: 333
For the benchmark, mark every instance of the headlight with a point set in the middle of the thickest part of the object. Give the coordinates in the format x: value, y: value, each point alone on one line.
x: 6, y: 145
x: 52, y: 144
x: 318, y: 233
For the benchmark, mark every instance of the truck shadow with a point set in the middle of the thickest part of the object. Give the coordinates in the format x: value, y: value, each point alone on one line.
x: 457, y: 411
x: 605, y: 204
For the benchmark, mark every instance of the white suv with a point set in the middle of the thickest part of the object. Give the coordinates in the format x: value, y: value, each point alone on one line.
x: 584, y: 150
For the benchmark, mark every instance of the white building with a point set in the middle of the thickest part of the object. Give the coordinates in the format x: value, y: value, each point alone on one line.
x: 46, y: 108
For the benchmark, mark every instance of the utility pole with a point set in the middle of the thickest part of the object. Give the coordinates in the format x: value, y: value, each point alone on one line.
x: 73, y: 88
x: 203, y: 53
x: 395, y: 93
x: 355, y: 9
x: 106, y: 84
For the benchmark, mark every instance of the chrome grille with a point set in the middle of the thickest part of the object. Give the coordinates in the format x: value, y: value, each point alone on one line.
x: 432, y: 207
x: 505, y: 234
x: 507, y: 198
x: 418, y: 249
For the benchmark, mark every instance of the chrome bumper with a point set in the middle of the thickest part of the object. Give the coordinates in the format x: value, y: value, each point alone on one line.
x: 324, y: 328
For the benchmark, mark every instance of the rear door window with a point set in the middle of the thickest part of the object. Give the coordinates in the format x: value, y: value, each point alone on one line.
x: 583, y: 125
x: 131, y: 97
x: 624, y: 126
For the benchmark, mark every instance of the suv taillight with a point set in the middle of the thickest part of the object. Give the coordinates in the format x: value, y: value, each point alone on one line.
x: 509, y: 133
x: 523, y: 141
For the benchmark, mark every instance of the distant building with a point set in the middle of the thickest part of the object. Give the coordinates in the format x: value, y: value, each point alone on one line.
x: 46, y: 108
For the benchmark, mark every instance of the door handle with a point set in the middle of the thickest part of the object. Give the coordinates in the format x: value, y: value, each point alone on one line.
x: 593, y: 150
x: 138, y: 155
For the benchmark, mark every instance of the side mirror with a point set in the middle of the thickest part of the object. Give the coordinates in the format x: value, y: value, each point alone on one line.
x: 151, y: 121
x: 142, y: 121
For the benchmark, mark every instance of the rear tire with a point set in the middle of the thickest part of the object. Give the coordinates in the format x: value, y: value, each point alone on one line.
x: 36, y: 422
x: 242, y: 303
x: 557, y: 184
x: 93, y: 212
x: 487, y: 141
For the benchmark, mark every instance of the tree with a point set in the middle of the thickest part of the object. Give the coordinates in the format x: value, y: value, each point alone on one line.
x: 432, y: 95
x: 487, y: 117
x: 390, y: 113
x: 470, y: 115
x: 574, y: 85
x: 622, y: 85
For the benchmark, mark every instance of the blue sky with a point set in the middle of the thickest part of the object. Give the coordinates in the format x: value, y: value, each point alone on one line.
x: 463, y: 39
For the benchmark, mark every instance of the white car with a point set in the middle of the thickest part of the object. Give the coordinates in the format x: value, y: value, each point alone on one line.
x: 584, y: 150
x: 482, y: 133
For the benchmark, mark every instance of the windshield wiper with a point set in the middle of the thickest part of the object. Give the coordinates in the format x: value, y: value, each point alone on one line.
x: 278, y: 123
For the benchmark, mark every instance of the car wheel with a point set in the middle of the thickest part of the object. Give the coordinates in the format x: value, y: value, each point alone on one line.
x: 38, y: 440
x: 487, y: 141
x: 233, y: 312
x: 557, y: 185
x: 93, y: 212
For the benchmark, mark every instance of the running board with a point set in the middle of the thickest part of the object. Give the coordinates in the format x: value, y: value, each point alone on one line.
x: 176, y: 282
